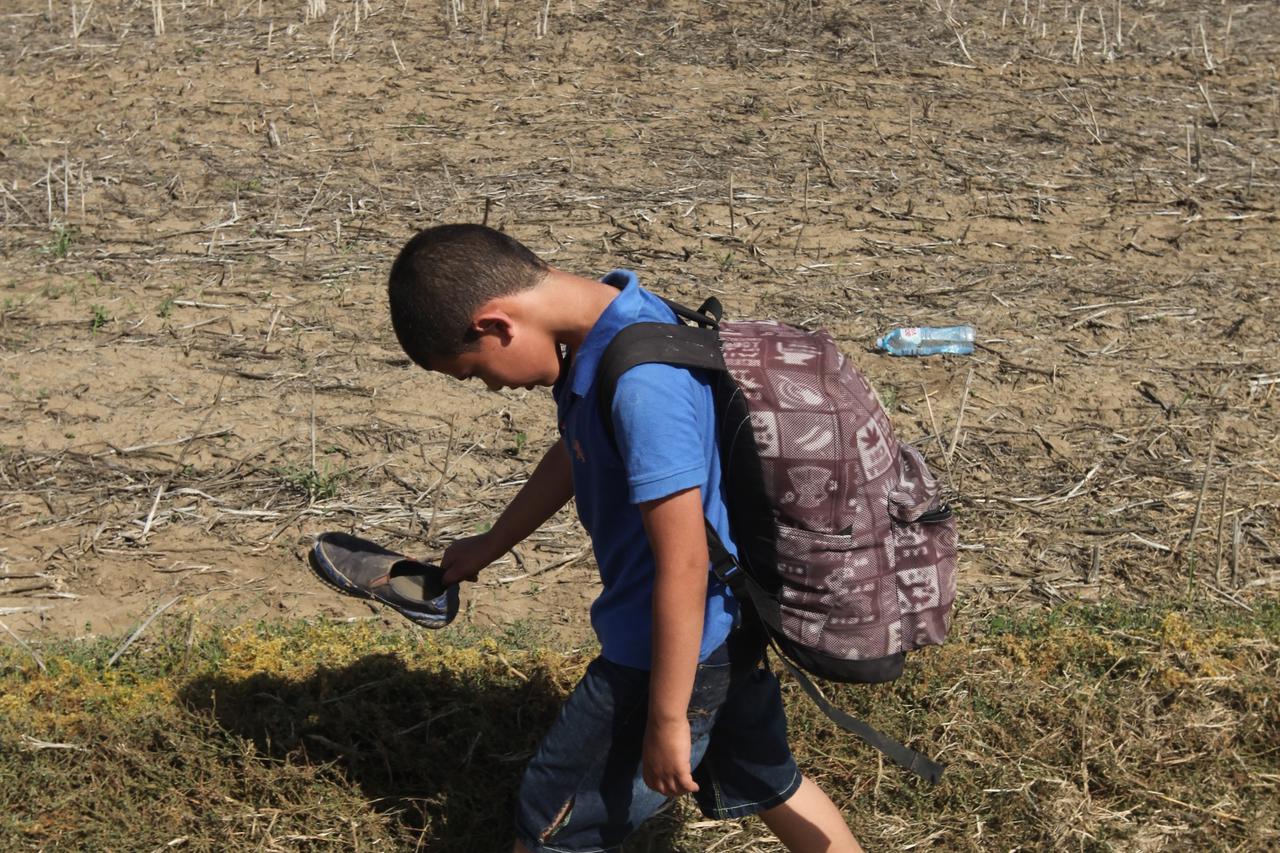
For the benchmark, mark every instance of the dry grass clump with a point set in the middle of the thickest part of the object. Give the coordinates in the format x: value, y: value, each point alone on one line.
x: 199, y: 371
x: 1083, y: 728
x: 277, y: 737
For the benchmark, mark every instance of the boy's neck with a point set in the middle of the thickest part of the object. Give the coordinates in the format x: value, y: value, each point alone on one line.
x: 571, y: 305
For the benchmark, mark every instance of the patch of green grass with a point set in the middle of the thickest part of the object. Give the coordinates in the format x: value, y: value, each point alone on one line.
x: 245, y: 185
x: 57, y: 291
x: 363, y: 736
x: 13, y: 305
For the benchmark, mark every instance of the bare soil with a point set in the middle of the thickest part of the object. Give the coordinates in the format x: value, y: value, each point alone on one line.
x: 197, y: 373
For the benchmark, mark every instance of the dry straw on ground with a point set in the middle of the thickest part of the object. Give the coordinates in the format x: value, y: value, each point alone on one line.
x: 1092, y: 186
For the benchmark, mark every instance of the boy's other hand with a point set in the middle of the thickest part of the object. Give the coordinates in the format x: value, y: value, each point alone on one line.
x: 464, y: 559
x: 667, y: 759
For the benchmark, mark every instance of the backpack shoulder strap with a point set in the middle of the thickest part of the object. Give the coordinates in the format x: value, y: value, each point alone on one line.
x: 653, y: 343
x: 665, y: 343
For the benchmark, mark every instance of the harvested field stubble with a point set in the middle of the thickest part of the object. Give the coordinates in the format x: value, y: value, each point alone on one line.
x: 197, y: 370
x: 199, y: 201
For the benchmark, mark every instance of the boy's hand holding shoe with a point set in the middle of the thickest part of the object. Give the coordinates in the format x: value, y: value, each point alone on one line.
x: 548, y: 488
x: 465, y: 558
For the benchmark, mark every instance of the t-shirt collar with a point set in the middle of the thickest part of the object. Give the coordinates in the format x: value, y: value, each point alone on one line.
x: 621, y: 312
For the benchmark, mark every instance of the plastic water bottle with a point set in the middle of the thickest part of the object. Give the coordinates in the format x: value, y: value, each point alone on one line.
x: 923, y: 340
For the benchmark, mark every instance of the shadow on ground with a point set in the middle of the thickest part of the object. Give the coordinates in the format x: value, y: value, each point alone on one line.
x: 439, y: 754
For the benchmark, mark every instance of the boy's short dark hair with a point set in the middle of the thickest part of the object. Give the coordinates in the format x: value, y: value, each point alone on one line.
x: 443, y: 275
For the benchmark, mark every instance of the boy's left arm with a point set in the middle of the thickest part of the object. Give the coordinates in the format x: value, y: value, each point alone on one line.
x: 677, y: 534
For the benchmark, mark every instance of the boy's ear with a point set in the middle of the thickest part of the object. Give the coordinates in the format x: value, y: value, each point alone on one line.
x: 491, y: 320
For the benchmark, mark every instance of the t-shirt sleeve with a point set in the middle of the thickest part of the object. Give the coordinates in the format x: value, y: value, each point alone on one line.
x: 661, y: 415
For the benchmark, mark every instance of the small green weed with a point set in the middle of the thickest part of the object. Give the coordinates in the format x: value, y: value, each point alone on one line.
x: 98, y: 317
x: 521, y: 439
x: 61, y: 243
x: 318, y: 484
x: 888, y: 397
x: 247, y: 185
x: 57, y: 291
x: 14, y: 304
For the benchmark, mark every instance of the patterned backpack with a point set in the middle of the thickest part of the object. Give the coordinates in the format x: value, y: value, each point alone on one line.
x: 846, y: 554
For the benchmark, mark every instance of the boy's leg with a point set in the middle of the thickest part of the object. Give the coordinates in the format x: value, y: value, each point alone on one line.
x: 578, y: 791
x: 583, y: 789
x: 810, y: 823
x: 749, y: 769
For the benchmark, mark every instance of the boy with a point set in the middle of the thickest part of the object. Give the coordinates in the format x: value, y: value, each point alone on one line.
x: 676, y: 702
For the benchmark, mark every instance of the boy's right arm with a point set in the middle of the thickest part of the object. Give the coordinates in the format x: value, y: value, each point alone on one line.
x: 543, y: 494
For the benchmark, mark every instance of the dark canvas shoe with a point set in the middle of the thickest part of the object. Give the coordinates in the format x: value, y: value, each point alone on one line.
x: 367, y: 570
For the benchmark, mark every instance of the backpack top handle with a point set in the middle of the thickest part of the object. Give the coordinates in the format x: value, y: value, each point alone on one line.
x: 708, y: 314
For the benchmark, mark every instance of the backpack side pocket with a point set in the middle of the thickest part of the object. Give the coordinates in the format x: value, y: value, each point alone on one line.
x: 924, y: 553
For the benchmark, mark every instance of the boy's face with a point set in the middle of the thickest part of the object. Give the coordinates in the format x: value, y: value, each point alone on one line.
x: 506, y: 360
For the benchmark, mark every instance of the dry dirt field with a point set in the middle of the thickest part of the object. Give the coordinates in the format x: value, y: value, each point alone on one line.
x: 199, y: 202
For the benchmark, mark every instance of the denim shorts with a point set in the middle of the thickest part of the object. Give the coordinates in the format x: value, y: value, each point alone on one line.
x: 583, y: 791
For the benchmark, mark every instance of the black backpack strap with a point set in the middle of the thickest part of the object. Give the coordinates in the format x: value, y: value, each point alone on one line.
x: 723, y: 564
x: 712, y: 308
x: 653, y: 343
x: 905, y: 757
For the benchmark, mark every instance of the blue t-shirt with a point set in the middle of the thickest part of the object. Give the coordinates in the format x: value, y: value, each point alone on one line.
x: 664, y: 422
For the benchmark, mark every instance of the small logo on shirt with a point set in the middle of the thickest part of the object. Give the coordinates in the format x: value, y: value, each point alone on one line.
x: 577, y: 451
